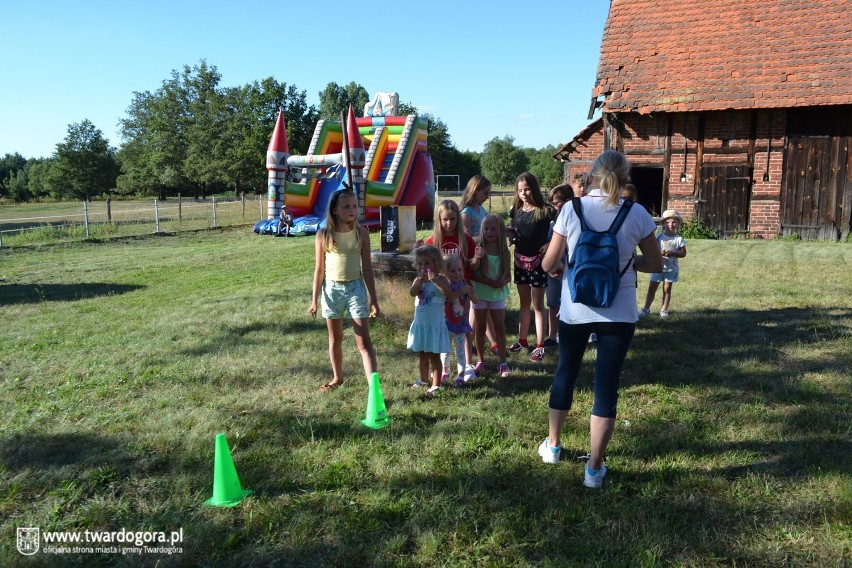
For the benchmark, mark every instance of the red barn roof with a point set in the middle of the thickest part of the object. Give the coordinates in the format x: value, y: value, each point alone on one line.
x: 665, y: 56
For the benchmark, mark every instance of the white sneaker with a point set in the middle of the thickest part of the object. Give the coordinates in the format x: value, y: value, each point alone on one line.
x: 643, y: 312
x: 594, y: 481
x: 469, y: 374
x: 664, y: 314
x: 419, y: 383
x: 548, y: 453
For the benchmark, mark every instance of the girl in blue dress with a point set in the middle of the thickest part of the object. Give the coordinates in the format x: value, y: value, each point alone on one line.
x: 428, y: 335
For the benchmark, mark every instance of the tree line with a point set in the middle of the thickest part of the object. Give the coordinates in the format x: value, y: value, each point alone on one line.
x: 195, y: 137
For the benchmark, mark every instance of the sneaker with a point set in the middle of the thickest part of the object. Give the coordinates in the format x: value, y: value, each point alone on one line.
x: 469, y: 374
x: 479, y: 368
x: 643, y: 312
x: 459, y: 382
x: 537, y: 354
x: 495, y: 350
x: 419, y: 384
x: 548, y: 453
x: 593, y: 337
x: 594, y: 481
x: 664, y: 314
x: 518, y: 346
x: 504, y: 370
x: 444, y: 376
x: 550, y: 342
x: 433, y: 391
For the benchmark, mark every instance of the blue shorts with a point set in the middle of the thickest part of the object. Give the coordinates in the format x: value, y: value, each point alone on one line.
x: 666, y: 275
x: 340, y: 297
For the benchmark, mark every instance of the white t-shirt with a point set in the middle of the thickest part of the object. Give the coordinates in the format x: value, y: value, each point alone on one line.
x: 599, y: 217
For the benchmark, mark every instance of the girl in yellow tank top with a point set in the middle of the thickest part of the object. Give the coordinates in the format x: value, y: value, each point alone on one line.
x: 343, y: 278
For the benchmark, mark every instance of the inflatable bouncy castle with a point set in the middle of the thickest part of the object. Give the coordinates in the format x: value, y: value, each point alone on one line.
x: 383, y: 157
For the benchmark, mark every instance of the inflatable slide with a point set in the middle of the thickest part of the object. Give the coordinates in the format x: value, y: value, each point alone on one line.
x: 388, y: 159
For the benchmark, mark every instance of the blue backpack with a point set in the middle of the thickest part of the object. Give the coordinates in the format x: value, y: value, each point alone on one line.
x: 593, y: 274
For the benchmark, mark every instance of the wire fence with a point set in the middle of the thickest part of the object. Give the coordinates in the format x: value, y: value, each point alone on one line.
x: 34, y: 224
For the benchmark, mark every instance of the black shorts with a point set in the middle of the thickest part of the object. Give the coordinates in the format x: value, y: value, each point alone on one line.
x: 536, y: 278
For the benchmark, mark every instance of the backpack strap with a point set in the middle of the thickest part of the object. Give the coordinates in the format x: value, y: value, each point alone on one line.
x: 620, y: 217
x: 578, y: 209
x: 616, y: 225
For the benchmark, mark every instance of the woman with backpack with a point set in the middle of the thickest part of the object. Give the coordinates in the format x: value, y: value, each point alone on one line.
x: 598, y: 296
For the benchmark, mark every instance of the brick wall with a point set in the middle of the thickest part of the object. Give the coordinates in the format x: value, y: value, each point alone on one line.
x: 722, y: 139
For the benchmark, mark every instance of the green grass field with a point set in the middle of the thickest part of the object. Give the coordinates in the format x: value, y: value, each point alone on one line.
x: 120, y: 360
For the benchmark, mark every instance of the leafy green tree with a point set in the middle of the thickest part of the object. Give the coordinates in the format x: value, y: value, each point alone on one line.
x: 10, y: 165
x: 155, y: 144
x: 502, y: 161
x: 18, y: 189
x: 543, y: 166
x: 335, y: 99
x: 207, y: 151
x: 38, y: 175
x: 85, y: 163
x: 250, y: 128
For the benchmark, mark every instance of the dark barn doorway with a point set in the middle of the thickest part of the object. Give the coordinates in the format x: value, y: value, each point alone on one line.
x: 649, y: 182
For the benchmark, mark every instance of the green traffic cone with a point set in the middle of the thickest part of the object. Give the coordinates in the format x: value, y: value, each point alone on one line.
x: 227, y: 490
x: 377, y: 414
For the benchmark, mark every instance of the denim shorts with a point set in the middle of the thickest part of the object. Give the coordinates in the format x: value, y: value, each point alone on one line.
x: 553, y: 293
x: 666, y: 275
x: 340, y: 297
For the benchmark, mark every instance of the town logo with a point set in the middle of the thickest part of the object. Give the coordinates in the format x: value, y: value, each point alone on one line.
x: 28, y: 540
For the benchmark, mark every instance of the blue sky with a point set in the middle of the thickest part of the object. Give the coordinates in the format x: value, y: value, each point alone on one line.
x: 523, y: 69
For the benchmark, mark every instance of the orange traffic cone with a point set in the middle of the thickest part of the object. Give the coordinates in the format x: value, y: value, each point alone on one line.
x: 227, y: 490
x: 377, y: 414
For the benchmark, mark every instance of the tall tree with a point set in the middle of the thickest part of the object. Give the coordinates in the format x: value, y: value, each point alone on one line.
x: 335, y: 99
x: 502, y: 161
x: 256, y: 108
x: 85, y: 163
x: 207, y: 152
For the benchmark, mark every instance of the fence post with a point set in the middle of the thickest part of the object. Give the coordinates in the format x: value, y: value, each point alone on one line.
x: 243, y: 199
x: 86, y: 217
x: 109, y: 210
x: 214, y: 210
x: 180, y: 208
x: 157, y: 216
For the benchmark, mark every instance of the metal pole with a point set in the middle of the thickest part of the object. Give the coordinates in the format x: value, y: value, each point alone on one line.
x: 260, y: 200
x: 86, y: 217
x: 214, y: 210
x: 243, y: 199
x: 157, y: 216
x: 180, y: 208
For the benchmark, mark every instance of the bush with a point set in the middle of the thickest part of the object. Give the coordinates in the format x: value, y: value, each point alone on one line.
x: 695, y: 229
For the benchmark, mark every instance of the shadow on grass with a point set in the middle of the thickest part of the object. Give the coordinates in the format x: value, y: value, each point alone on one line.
x: 36, y: 293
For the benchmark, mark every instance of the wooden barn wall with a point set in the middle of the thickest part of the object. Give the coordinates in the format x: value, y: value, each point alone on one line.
x: 817, y: 198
